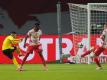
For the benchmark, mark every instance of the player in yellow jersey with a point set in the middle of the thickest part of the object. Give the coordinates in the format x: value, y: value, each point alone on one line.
x: 9, y: 46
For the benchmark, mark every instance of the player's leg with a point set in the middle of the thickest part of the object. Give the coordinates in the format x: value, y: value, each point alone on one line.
x: 16, y: 63
x: 98, y: 63
x: 39, y: 51
x: 97, y: 52
x: 87, y: 52
x: 29, y: 50
x: 43, y: 60
x: 13, y: 58
x: 9, y: 54
x: 24, y: 59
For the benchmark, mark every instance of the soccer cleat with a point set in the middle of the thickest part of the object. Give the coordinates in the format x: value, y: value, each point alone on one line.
x: 98, y: 68
x: 20, y: 69
x: 46, y: 68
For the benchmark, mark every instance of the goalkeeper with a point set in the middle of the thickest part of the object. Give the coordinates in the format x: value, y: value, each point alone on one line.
x: 96, y: 51
x: 9, y: 46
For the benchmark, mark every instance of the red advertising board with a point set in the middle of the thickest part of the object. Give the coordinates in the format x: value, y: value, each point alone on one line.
x: 50, y: 48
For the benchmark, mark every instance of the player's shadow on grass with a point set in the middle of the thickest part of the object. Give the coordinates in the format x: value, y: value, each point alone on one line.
x: 33, y: 70
x: 103, y: 69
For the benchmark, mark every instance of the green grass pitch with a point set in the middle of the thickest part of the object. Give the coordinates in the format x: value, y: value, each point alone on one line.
x: 55, y: 72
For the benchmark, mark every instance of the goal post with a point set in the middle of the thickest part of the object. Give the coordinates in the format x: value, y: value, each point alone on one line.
x: 78, y: 16
x: 87, y: 20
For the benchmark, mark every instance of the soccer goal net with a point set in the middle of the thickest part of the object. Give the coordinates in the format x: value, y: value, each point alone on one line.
x: 87, y: 22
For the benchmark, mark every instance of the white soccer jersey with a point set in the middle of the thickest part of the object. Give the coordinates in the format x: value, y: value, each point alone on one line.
x: 104, y: 33
x: 34, y: 36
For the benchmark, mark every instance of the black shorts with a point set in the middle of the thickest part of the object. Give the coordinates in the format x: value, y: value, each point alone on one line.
x: 9, y: 53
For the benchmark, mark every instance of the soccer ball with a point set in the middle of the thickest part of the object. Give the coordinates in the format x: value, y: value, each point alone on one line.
x: 80, y: 45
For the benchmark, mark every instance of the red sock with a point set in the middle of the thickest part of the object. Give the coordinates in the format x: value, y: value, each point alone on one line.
x: 86, y: 53
x: 97, y: 62
x: 24, y: 59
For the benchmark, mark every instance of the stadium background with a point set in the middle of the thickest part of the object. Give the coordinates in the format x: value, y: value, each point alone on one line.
x: 17, y: 15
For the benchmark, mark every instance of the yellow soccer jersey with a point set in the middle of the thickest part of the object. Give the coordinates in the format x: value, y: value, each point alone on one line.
x: 7, y: 43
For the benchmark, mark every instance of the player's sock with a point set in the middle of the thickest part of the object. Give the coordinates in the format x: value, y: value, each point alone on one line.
x: 15, y: 62
x: 24, y: 59
x: 86, y: 53
x: 43, y: 60
x: 97, y: 62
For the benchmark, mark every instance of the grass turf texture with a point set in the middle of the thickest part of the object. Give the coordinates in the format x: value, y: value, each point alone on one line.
x: 55, y: 72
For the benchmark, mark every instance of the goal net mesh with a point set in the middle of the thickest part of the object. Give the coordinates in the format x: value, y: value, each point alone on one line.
x: 87, y: 23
